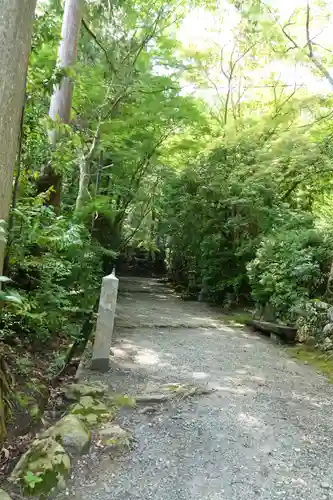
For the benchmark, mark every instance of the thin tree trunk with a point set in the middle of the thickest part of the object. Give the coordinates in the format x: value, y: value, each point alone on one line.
x: 16, y: 23
x: 98, y: 176
x: 329, y: 287
x: 83, y: 193
x: 61, y: 101
x: 85, y: 163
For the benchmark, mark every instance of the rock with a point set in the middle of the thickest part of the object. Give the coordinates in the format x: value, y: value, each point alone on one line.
x: 113, y: 435
x: 330, y: 314
x: 88, y: 401
x: 153, y: 398
x: 320, y: 305
x: 148, y: 409
x: 107, y: 488
x: 74, y: 392
x: 328, y: 330
x: 71, y: 433
x: 4, y: 495
x: 303, y: 332
x: 311, y: 341
x: 42, y: 468
x: 327, y: 344
x: 91, y: 411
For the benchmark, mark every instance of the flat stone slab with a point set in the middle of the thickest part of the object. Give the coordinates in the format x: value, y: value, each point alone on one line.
x: 285, y: 333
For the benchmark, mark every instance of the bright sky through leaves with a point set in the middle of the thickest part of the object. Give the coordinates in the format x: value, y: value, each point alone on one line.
x: 201, y: 30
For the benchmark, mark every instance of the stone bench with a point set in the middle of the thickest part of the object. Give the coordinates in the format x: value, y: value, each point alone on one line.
x: 274, y: 330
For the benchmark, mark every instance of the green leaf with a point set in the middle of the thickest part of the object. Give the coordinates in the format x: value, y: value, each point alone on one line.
x: 31, y: 479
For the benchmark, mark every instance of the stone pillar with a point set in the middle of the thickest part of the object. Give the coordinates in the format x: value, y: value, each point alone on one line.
x: 105, y: 320
x: 191, y: 282
x: 204, y: 290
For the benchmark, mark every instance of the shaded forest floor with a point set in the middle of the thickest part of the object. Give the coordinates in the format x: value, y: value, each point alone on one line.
x: 35, y: 398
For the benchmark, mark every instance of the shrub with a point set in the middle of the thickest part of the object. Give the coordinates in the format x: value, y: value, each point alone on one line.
x: 290, y: 268
x: 47, y: 255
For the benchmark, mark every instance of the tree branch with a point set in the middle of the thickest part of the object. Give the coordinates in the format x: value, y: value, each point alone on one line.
x: 311, y: 55
x: 94, y: 37
x: 229, y: 76
x: 88, y: 157
x: 286, y: 34
x: 309, y: 44
x: 144, y: 213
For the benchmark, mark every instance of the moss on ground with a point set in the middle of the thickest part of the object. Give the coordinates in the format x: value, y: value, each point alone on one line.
x: 309, y: 355
x: 314, y: 357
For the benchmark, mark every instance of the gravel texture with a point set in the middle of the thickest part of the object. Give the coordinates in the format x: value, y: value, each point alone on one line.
x: 265, y: 433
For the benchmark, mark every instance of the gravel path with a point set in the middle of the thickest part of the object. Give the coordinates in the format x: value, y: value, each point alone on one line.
x: 265, y: 433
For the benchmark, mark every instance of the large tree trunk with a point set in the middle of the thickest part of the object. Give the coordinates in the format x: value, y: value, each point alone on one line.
x: 61, y: 101
x: 16, y: 22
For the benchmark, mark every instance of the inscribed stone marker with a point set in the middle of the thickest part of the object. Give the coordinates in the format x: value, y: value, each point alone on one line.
x: 105, y: 322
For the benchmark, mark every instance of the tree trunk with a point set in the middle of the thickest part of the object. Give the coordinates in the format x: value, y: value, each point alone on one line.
x: 16, y: 22
x: 329, y: 287
x: 83, y: 193
x: 61, y: 101
x: 85, y: 163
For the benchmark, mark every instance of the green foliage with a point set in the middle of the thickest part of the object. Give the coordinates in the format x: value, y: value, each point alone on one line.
x: 91, y: 410
x: 250, y: 235
x: 229, y: 212
x: 47, y: 255
x: 290, y: 268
